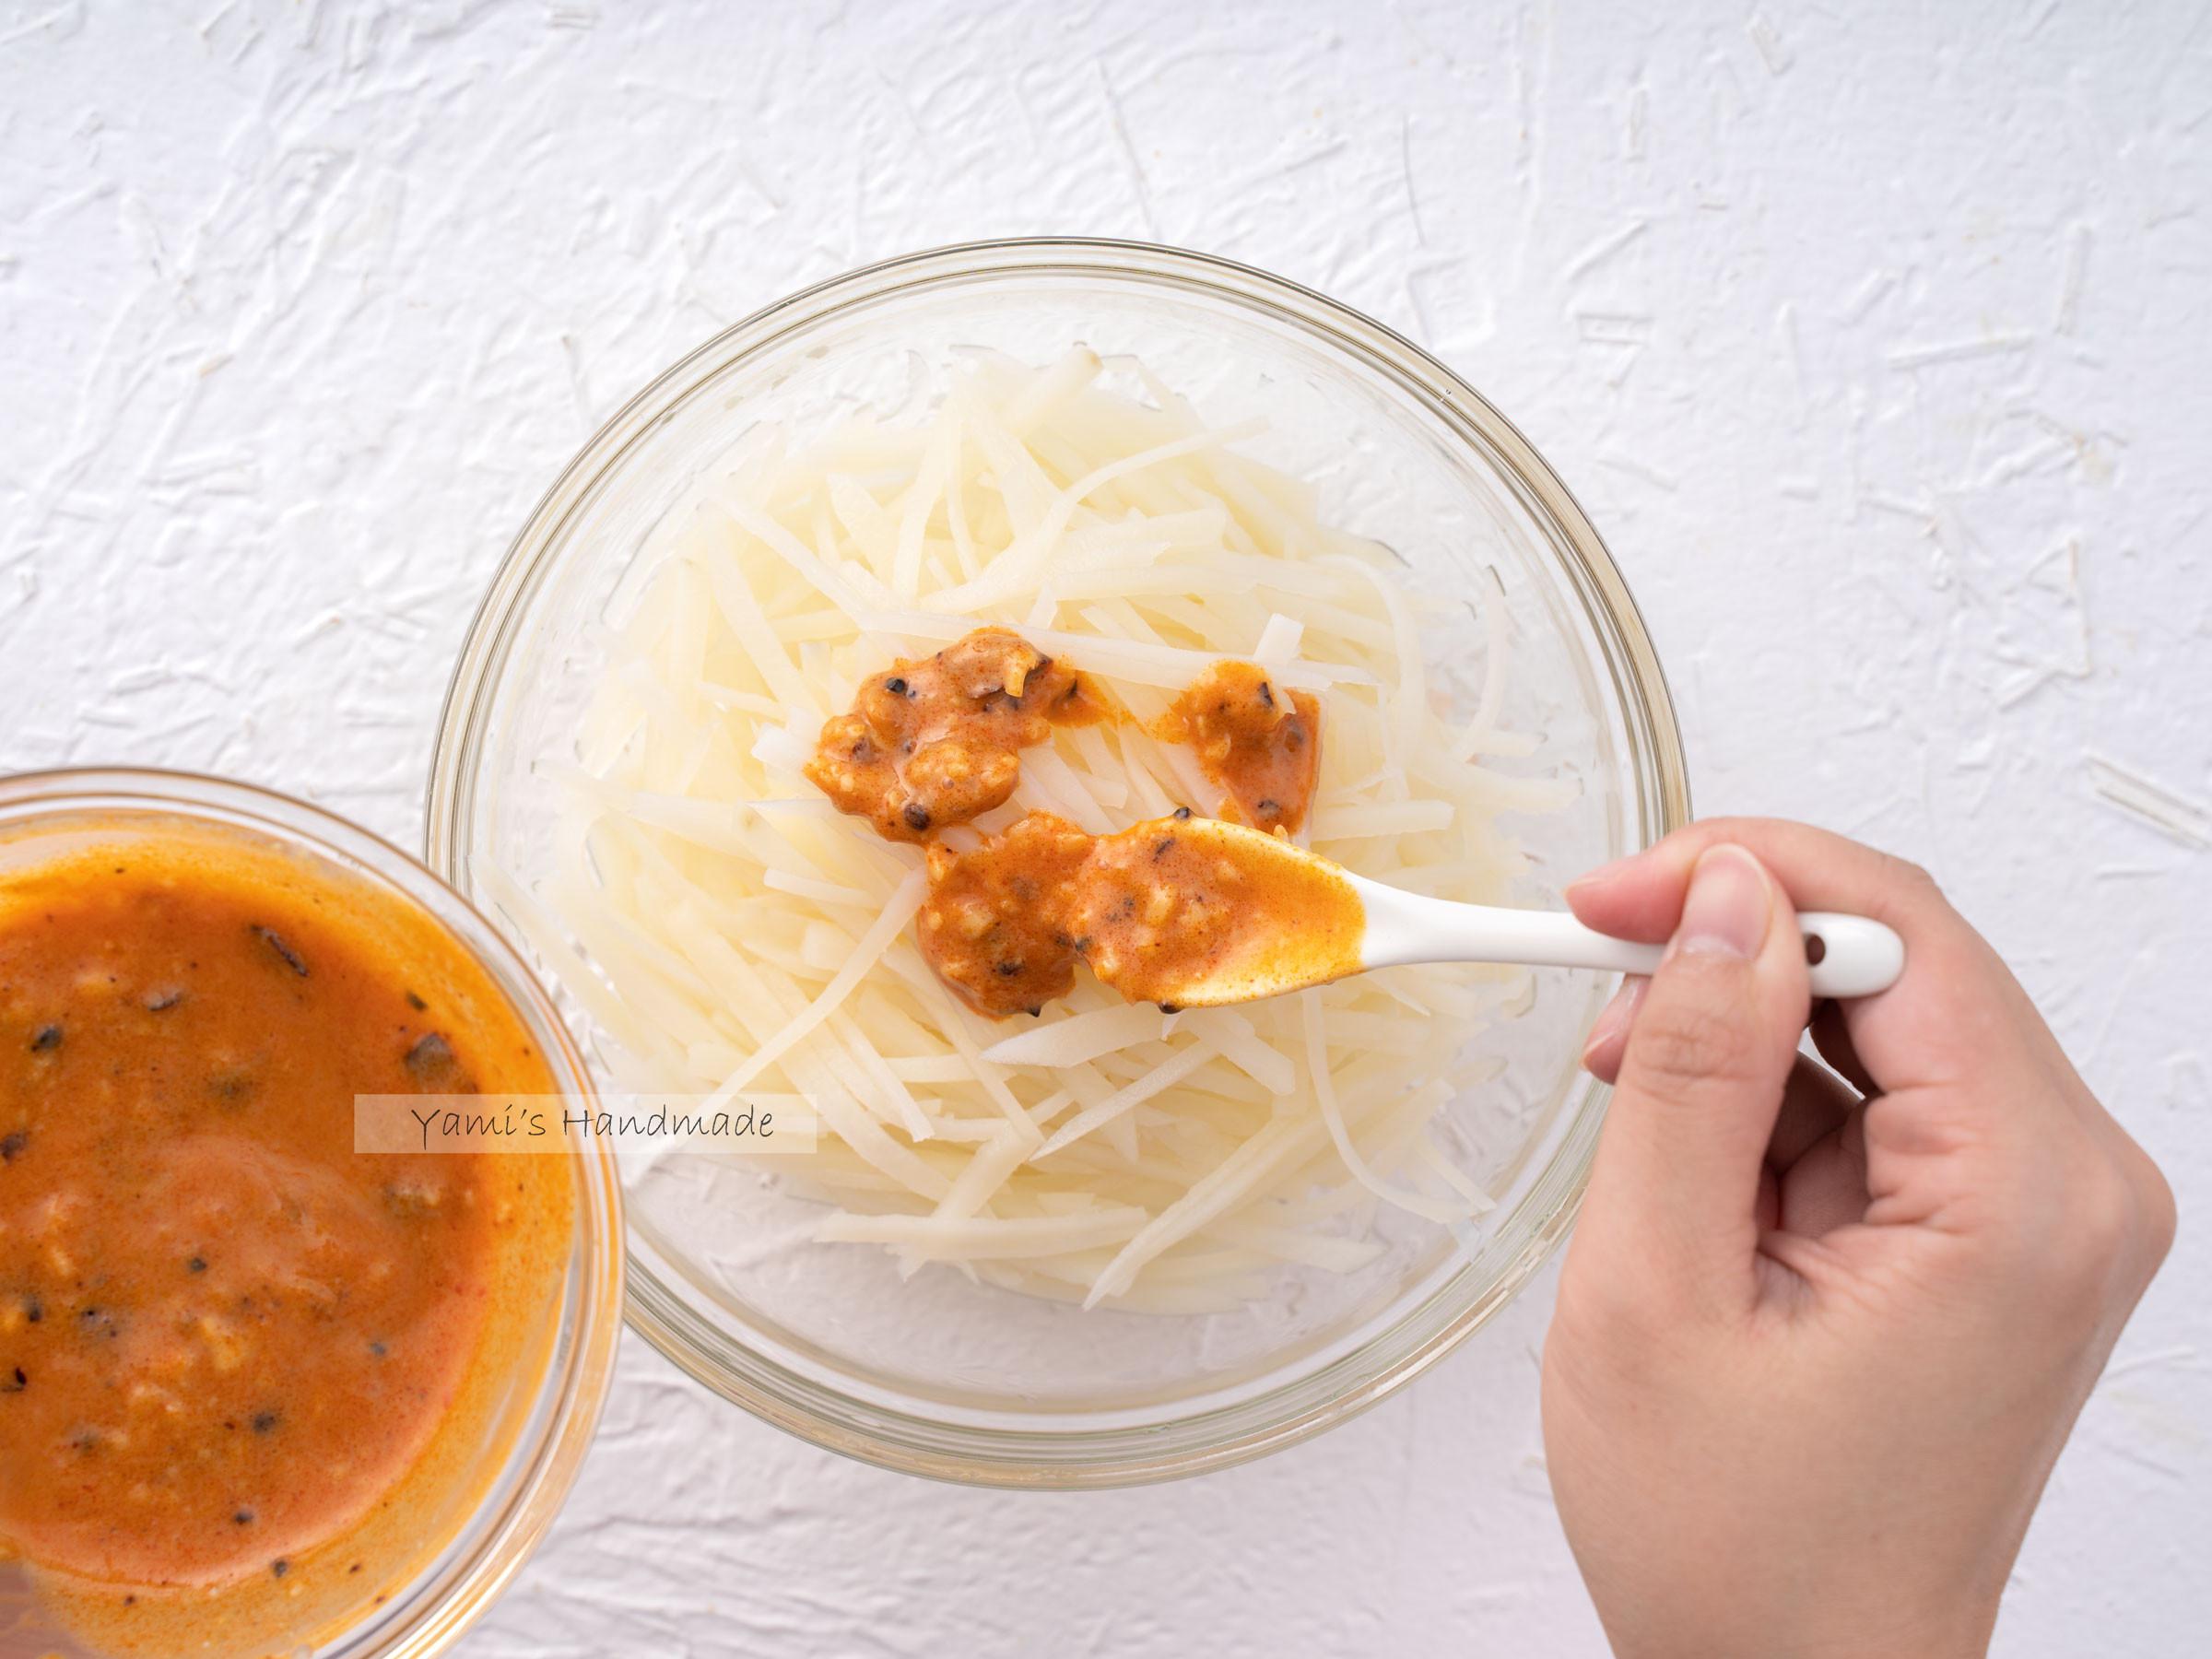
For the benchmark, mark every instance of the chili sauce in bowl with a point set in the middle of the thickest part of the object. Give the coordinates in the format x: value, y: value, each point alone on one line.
x: 248, y: 1375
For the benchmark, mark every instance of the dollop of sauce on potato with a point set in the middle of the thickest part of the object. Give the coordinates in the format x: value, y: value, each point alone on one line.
x: 243, y: 1368
x: 1260, y: 744
x: 938, y: 741
x: 991, y: 926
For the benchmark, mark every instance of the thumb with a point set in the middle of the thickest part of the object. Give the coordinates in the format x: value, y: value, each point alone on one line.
x: 1676, y: 1175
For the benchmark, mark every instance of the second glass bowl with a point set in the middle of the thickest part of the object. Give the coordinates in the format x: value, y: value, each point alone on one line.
x: 501, y: 1505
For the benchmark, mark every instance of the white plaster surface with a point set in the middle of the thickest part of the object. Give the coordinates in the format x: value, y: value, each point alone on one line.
x: 1873, y: 335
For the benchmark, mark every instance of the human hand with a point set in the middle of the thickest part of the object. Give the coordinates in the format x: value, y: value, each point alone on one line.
x: 1815, y: 1354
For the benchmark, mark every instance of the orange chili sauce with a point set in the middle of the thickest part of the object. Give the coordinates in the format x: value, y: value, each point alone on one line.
x: 1260, y: 744
x: 991, y: 926
x: 937, y: 741
x: 246, y: 1375
x: 1162, y: 911
x: 1166, y: 913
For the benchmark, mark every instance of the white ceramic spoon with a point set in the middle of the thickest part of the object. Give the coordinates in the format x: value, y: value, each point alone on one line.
x: 1325, y: 923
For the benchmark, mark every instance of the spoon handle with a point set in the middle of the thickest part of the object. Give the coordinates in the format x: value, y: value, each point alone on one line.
x: 1845, y: 956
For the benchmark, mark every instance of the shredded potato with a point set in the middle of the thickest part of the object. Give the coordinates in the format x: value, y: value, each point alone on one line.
x: 730, y: 931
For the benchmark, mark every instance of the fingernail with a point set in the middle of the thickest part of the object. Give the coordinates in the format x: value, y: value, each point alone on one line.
x: 1725, y: 913
x: 1614, y: 1017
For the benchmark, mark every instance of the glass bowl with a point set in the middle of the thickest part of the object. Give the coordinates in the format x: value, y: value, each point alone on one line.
x: 538, y: 1435
x: 961, y: 1382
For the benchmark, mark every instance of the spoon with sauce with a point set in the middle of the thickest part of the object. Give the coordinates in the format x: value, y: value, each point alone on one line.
x: 1194, y: 913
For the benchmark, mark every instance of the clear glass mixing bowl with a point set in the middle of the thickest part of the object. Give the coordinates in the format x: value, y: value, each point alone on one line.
x: 944, y: 1378
x: 499, y: 1506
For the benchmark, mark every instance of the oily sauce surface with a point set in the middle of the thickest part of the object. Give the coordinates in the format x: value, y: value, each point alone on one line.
x: 224, y: 1337
x: 1170, y: 911
x: 1259, y: 743
x: 1173, y: 911
x: 993, y: 926
x: 937, y: 741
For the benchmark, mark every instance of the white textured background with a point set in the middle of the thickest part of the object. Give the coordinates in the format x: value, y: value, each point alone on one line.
x: 1873, y: 335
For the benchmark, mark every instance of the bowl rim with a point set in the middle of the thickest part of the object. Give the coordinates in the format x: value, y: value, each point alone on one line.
x: 1202, y: 1439
x: 451, y: 1591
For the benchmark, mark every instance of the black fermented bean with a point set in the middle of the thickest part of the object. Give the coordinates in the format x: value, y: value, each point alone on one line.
x: 274, y: 941
x: 432, y: 1056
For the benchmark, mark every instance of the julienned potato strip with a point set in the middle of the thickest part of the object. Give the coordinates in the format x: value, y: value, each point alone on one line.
x: 739, y: 933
